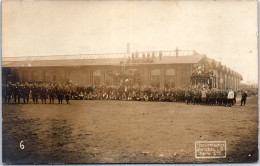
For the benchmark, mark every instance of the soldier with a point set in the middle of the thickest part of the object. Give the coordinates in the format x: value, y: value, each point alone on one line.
x: 196, y: 97
x: 214, y: 100
x: 26, y: 93
x: 43, y: 93
x: 17, y: 92
x: 219, y: 97
x: 244, y: 96
x: 51, y: 92
x: 9, y: 89
x: 60, y: 93
x: 235, y: 98
x: 187, y: 95
x: 211, y: 97
x: 224, y: 99
x: 67, y: 94
x: 190, y: 96
x: 35, y: 91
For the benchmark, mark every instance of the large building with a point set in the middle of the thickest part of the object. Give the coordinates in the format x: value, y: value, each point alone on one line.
x: 174, y: 67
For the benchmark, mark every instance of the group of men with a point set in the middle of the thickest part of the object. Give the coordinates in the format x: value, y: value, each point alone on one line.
x: 50, y: 91
x: 213, y: 96
x: 36, y: 91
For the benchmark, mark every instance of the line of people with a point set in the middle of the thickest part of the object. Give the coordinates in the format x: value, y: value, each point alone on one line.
x: 21, y: 93
x: 51, y: 91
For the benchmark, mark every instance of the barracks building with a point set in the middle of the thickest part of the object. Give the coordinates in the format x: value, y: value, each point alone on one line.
x: 174, y: 67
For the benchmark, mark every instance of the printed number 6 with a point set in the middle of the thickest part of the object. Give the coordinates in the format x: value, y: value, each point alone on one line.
x: 21, y: 145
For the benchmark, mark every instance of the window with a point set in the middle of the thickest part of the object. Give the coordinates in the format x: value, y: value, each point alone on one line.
x: 57, y: 76
x: 170, y: 72
x: 35, y: 75
x: 47, y: 76
x: 155, y: 72
x: 109, y: 77
x: 170, y: 78
x: 155, y: 77
x: 96, y: 77
x: 26, y: 76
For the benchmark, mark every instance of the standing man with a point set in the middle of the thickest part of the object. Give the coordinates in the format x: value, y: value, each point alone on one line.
x: 67, y: 94
x: 204, y: 95
x: 230, y: 97
x: 60, y: 93
x: 26, y: 93
x: 187, y: 96
x: 235, y: 98
x: 43, y: 93
x: 35, y: 93
x: 243, y: 99
x: 51, y: 93
x: 15, y: 91
x: 9, y: 89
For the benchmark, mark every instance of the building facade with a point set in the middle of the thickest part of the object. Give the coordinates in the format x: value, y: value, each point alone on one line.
x: 169, y: 68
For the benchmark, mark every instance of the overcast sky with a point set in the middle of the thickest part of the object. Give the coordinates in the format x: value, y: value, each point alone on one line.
x: 225, y: 31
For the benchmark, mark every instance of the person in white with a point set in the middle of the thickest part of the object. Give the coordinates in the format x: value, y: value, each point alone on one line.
x: 230, y: 97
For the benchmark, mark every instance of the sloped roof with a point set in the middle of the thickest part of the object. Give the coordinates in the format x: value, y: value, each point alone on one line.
x: 94, y: 59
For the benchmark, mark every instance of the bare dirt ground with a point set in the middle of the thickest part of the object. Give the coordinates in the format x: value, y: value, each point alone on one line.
x: 126, y: 132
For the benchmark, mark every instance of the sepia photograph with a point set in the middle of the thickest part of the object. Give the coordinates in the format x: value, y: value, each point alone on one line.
x: 124, y: 82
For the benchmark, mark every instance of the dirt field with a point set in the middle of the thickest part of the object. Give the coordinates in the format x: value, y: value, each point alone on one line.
x: 126, y: 132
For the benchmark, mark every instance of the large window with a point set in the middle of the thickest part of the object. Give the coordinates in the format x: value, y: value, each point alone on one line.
x: 170, y: 78
x: 170, y: 72
x: 109, y: 77
x: 155, y: 77
x: 47, y: 76
x: 57, y: 76
x: 96, y: 77
x: 26, y: 76
x: 35, y: 75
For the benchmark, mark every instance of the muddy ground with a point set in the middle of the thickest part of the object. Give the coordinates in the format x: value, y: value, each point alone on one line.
x: 126, y: 132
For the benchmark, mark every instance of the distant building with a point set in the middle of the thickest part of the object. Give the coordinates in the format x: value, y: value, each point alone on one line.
x: 176, y: 71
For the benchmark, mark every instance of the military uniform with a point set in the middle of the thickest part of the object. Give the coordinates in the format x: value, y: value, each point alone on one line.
x: 60, y: 94
x: 187, y: 95
x: 17, y: 93
x: 51, y: 93
x: 196, y: 97
x: 219, y: 98
x: 9, y: 91
x: 43, y: 93
x: 67, y: 94
x: 243, y: 99
x: 26, y: 93
x: 35, y: 93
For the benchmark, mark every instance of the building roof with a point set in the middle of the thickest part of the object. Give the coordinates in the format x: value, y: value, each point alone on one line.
x: 168, y: 57
x: 115, y: 59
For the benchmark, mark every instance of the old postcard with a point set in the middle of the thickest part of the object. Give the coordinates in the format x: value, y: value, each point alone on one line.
x: 129, y: 81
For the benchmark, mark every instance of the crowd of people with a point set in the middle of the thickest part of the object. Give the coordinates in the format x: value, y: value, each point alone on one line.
x: 48, y: 92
